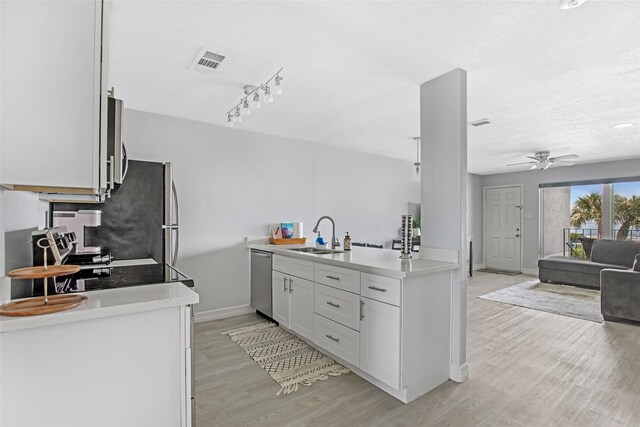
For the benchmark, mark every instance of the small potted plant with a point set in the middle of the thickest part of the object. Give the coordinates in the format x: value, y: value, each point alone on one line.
x: 416, y: 228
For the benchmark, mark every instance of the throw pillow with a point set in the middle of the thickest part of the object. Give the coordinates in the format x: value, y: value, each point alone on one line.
x: 636, y: 263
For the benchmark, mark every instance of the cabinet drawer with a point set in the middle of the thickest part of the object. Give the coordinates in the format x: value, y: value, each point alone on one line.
x: 341, y: 278
x: 381, y: 288
x: 294, y: 267
x: 282, y: 264
x: 337, y: 339
x: 302, y: 269
x: 338, y: 305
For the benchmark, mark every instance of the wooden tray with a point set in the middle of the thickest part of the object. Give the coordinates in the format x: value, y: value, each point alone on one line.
x: 36, y: 306
x: 40, y: 273
x: 292, y: 241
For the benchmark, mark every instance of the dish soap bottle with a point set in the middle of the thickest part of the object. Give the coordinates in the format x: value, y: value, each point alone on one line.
x: 347, y: 242
x: 320, y: 241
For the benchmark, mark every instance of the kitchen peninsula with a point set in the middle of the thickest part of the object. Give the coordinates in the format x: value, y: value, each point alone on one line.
x: 123, y: 358
x: 387, y: 319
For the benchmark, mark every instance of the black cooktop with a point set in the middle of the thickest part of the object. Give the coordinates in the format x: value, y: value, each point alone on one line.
x: 103, y: 277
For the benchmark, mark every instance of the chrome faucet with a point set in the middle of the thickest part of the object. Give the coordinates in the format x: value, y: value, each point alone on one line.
x: 334, y: 241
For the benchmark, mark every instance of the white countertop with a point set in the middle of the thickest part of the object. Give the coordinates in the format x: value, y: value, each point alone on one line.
x: 110, y: 302
x: 384, y: 262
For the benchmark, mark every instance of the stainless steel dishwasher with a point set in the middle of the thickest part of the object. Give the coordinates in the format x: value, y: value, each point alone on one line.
x: 261, y: 283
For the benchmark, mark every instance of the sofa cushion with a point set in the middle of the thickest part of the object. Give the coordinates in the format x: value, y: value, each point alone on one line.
x: 615, y: 252
x: 636, y: 263
x: 574, y: 265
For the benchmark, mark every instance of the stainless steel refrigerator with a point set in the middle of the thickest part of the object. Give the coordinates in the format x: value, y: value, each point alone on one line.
x: 141, y: 219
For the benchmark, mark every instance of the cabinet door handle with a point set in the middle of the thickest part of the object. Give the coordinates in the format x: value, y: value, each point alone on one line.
x: 333, y: 278
x: 377, y: 289
x: 361, y: 309
x: 333, y: 304
x: 285, y: 284
x: 332, y: 338
x: 290, y: 285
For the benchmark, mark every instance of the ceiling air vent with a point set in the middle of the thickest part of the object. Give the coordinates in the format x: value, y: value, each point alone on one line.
x: 207, y: 61
x: 480, y: 122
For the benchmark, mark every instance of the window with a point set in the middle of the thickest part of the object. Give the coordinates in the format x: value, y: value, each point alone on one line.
x: 573, y: 216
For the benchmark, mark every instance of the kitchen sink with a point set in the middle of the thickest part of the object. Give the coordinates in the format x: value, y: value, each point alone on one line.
x: 317, y: 251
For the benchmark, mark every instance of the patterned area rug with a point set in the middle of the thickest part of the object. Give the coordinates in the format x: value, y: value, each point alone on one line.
x: 287, y: 359
x: 559, y: 299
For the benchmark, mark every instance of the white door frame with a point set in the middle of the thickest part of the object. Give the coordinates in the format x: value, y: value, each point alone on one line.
x: 484, y: 221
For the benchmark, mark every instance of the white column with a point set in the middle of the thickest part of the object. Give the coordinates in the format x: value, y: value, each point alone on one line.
x: 443, y: 125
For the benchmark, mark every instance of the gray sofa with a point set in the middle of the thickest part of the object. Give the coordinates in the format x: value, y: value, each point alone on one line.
x: 606, y: 254
x: 620, y: 294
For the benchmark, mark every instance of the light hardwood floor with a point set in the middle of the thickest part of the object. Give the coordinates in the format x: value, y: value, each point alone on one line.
x: 526, y: 367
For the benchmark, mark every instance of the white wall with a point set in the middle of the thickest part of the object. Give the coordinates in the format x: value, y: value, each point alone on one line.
x: 532, y: 179
x: 233, y: 183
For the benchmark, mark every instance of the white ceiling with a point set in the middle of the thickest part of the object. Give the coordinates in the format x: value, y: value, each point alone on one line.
x: 548, y: 79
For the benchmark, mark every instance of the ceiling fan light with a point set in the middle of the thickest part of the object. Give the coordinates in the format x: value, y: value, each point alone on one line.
x: 268, y: 98
x: 229, y: 122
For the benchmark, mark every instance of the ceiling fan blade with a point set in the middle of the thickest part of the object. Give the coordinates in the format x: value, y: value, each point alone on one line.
x: 535, y: 166
x: 547, y: 166
x: 532, y: 158
x: 562, y: 158
x: 523, y: 163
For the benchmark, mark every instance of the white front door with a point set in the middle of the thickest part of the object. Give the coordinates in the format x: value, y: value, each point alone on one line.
x: 503, y: 231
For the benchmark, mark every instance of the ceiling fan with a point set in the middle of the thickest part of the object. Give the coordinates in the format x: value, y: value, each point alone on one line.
x: 542, y: 161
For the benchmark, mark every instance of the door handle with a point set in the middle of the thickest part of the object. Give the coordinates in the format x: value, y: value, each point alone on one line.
x: 290, y: 285
x: 517, y: 235
x: 361, y: 309
x: 285, y: 284
x: 333, y: 304
x: 377, y: 289
x: 332, y: 338
x: 333, y: 278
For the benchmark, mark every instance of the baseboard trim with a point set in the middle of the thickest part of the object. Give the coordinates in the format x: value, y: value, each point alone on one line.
x: 221, y: 313
x: 478, y: 266
x: 459, y: 374
x: 531, y: 271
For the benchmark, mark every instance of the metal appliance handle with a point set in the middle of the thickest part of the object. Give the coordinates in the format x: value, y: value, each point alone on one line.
x: 262, y: 254
x: 176, y: 223
x: 125, y: 159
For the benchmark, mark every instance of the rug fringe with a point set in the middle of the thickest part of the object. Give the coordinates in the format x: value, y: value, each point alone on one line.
x: 291, y: 388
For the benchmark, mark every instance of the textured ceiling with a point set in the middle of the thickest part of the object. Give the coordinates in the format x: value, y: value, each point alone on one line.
x: 548, y: 79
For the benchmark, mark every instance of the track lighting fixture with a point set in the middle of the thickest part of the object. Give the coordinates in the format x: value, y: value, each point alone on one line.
x: 256, y: 101
x: 246, y: 111
x: 253, y: 92
x: 417, y: 164
x: 277, y: 87
x: 268, y: 98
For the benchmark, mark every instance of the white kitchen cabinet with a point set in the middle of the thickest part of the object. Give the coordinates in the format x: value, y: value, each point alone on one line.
x: 292, y: 302
x: 301, y: 301
x: 380, y: 341
x: 280, y: 298
x: 54, y: 96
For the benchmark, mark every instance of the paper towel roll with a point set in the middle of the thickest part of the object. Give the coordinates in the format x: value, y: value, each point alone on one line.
x: 297, y: 230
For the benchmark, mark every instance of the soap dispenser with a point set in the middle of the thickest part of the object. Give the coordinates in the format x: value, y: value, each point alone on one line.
x: 320, y: 241
x: 347, y: 242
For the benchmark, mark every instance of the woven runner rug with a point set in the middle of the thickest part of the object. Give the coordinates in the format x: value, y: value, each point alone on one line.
x: 287, y: 359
